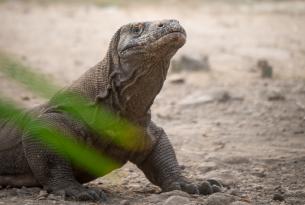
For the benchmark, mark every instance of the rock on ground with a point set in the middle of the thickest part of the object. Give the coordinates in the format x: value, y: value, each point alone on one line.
x: 220, y: 199
x: 177, y: 200
x: 190, y: 63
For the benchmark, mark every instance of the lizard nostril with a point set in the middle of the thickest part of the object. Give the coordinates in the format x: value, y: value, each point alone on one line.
x: 160, y: 25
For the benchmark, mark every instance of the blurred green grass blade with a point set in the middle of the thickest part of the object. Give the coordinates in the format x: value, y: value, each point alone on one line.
x: 36, y: 82
x: 79, y: 153
x: 119, y: 131
x: 7, y: 109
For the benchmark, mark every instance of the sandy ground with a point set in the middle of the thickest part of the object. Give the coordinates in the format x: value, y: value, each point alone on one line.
x: 254, y: 141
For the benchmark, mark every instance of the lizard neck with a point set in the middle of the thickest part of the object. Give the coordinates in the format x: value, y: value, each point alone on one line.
x: 137, y: 93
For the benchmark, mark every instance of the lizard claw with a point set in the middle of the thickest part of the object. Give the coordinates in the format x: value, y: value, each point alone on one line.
x: 189, y: 188
x: 215, y: 182
x: 210, y: 186
x: 183, y: 186
x: 205, y: 188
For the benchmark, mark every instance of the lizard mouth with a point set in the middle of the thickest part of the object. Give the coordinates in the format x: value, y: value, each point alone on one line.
x: 174, y: 37
x: 177, y: 37
x: 173, y: 34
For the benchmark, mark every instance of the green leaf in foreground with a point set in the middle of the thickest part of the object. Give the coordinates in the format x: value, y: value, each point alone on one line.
x: 119, y: 131
x: 35, y: 81
x: 80, y: 154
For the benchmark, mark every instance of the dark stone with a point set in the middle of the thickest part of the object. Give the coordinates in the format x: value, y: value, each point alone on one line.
x: 266, y: 69
x: 278, y: 197
x: 191, y: 63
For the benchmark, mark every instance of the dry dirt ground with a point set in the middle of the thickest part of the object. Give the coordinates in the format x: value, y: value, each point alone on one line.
x: 227, y: 123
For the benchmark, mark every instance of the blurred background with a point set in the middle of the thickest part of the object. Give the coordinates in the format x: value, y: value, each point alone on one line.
x: 65, y: 37
x: 234, y: 101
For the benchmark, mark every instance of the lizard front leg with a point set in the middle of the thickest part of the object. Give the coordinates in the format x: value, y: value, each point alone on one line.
x: 51, y: 170
x: 162, y: 169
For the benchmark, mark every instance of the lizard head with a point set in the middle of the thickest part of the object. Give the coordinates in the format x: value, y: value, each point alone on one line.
x: 151, y: 39
x: 140, y: 47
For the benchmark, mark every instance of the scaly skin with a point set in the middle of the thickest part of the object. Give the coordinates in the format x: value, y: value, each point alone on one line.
x: 126, y: 83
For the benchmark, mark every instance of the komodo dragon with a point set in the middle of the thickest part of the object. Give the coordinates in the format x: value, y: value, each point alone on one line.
x: 126, y: 82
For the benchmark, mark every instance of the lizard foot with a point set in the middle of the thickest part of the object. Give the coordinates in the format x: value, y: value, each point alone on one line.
x: 205, y: 188
x: 81, y: 193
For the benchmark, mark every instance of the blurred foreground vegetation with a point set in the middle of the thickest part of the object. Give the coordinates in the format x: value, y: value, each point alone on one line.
x: 118, y: 131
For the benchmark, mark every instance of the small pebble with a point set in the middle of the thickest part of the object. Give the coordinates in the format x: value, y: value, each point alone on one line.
x: 220, y: 199
x: 55, y: 197
x: 25, y: 98
x: 235, y: 192
x: 176, y: 200
x: 42, y: 195
x: 182, y: 167
x: 259, y: 187
x: 124, y: 202
x: 191, y: 63
x: 278, y: 197
x: 13, y: 198
x: 239, y: 203
x: 176, y: 79
x: 259, y: 174
x: 275, y: 96
x: 266, y: 69
x: 24, y: 192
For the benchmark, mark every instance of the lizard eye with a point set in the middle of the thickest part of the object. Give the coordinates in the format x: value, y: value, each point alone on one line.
x: 137, y: 29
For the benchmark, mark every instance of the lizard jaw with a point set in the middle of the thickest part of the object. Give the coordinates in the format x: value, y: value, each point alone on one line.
x: 174, y: 37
